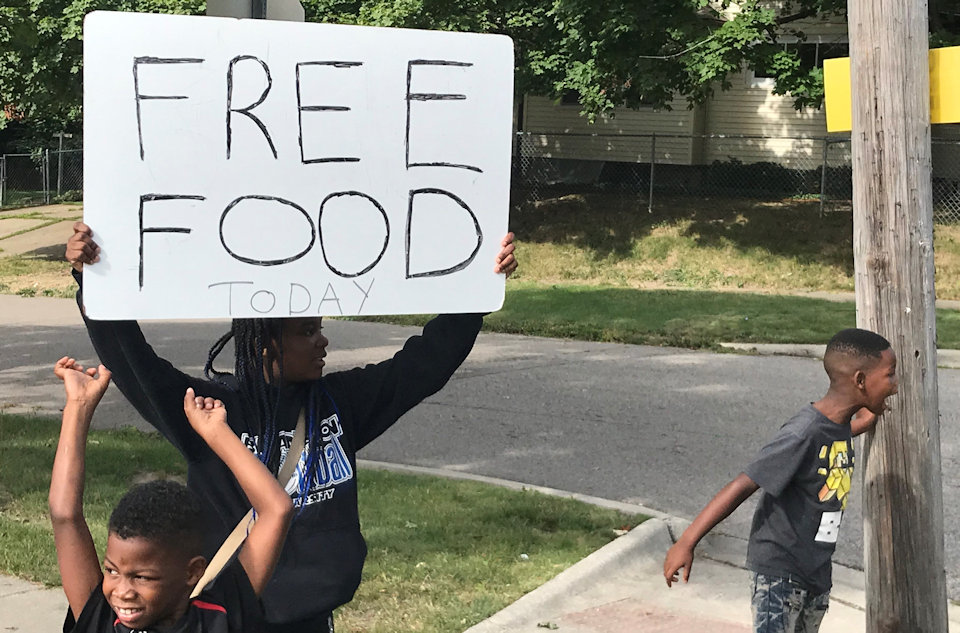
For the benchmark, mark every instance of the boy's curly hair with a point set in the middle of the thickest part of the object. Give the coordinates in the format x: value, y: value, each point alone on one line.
x: 163, y: 512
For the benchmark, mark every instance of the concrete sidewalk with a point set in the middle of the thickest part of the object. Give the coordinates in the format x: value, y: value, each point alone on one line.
x: 620, y: 589
x: 617, y: 589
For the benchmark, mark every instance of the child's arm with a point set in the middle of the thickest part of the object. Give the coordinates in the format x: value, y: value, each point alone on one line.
x: 76, y: 554
x: 274, y: 509
x: 863, y: 420
x: 726, y: 501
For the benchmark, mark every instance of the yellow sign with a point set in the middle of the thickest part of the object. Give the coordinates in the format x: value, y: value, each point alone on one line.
x: 944, y: 89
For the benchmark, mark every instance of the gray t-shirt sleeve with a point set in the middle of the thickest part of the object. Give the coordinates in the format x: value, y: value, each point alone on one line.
x: 776, y: 464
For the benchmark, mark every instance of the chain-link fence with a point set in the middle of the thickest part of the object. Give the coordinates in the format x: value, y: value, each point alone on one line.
x: 41, y: 178
x: 549, y: 165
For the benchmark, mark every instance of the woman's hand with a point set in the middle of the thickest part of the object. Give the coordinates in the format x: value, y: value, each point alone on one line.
x: 506, y: 261
x: 81, y: 249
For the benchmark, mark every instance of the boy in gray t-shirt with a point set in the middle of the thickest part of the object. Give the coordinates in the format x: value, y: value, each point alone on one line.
x: 805, y: 473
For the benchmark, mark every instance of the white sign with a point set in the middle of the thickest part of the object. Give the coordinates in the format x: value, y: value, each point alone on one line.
x: 248, y: 168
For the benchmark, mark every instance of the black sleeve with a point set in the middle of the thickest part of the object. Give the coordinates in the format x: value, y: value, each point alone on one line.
x: 231, y: 590
x: 95, y: 617
x: 379, y: 394
x: 152, y: 385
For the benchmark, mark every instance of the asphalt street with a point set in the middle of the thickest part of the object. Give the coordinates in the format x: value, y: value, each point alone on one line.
x: 662, y: 427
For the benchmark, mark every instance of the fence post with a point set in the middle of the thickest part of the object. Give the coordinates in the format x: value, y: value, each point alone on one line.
x: 3, y: 177
x: 823, y: 176
x: 45, y: 166
x: 653, y: 163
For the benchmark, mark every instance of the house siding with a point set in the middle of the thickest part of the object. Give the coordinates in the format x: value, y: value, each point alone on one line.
x: 558, y: 131
x: 791, y: 137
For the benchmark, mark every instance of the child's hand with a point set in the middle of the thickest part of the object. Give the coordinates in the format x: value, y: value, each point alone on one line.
x: 81, y: 249
x: 86, y: 386
x: 677, y: 556
x: 206, y: 415
x: 506, y: 261
x: 863, y: 420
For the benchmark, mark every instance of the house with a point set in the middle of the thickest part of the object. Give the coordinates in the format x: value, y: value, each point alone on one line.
x: 744, y: 125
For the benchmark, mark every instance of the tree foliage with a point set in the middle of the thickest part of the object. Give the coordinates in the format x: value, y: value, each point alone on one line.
x: 608, y: 52
x: 41, y: 57
x: 632, y: 52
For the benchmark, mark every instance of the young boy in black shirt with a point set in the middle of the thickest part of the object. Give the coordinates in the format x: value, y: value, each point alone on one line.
x: 805, y: 472
x: 152, y: 561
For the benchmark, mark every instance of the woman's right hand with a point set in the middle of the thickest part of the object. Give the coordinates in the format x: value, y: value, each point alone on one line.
x: 81, y: 249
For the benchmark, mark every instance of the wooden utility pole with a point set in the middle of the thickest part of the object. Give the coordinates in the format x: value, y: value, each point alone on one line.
x: 893, y: 264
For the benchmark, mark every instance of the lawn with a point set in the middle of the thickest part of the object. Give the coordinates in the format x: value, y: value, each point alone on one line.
x: 443, y: 554
x: 764, y: 246
x: 694, y: 273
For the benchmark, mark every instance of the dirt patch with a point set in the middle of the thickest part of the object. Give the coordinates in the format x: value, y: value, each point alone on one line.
x: 40, y: 284
x: 32, y: 253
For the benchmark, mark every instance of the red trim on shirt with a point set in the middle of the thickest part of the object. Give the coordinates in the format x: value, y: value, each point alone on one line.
x: 200, y: 604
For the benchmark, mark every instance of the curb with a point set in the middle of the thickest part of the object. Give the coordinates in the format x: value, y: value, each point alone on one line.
x: 606, y: 562
x: 652, y: 537
x: 946, y: 358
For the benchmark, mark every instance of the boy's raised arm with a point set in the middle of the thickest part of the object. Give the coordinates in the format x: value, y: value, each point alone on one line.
x: 76, y: 554
x: 719, y: 508
x: 271, y: 503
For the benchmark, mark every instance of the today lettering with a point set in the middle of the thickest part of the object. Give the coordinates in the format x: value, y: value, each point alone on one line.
x: 295, y: 299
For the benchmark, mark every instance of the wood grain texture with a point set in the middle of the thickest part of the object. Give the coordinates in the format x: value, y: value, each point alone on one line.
x: 894, y: 275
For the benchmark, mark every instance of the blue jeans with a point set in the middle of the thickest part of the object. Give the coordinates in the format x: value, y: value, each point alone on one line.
x: 782, y: 605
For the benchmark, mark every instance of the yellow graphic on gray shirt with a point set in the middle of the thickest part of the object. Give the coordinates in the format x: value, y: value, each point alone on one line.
x: 838, y: 472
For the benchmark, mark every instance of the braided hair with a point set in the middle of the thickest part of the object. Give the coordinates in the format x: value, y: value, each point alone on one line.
x: 258, y: 345
x: 258, y: 367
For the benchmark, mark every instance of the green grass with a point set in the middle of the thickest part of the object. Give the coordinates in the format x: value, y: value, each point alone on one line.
x: 771, y: 246
x: 694, y: 273
x: 446, y: 554
x: 27, y: 445
x: 443, y: 554
x: 686, y: 242
x: 681, y: 318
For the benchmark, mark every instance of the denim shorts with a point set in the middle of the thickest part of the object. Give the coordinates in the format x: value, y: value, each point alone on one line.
x: 782, y: 605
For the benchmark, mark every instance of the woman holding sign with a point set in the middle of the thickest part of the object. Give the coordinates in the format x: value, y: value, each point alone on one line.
x: 278, y: 397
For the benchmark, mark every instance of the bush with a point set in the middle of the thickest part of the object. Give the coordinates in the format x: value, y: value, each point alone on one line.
x: 70, y: 195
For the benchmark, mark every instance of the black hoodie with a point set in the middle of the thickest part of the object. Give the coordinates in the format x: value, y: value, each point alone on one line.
x: 319, y: 568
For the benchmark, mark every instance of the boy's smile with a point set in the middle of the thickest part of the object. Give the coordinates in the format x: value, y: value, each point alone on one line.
x: 145, y: 583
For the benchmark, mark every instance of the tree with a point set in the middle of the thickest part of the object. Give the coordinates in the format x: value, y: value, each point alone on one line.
x: 41, y: 52
x: 609, y: 53
x: 633, y: 52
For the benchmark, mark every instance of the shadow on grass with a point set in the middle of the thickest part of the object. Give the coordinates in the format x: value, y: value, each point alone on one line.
x: 610, y: 224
